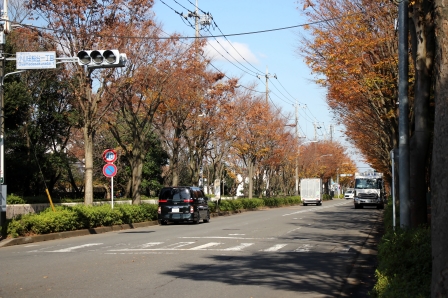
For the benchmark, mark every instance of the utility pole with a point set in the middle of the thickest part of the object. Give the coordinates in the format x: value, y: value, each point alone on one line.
x: 267, y: 76
x: 3, y: 31
x: 331, y: 132
x: 297, y: 153
x: 403, y: 120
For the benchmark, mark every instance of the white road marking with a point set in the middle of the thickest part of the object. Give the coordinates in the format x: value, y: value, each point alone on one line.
x: 293, y: 230
x: 237, y: 234
x: 70, y: 249
x: 275, y: 247
x: 210, y: 244
x: 150, y: 244
x: 239, y: 247
x: 303, y: 248
x: 221, y: 237
x: 176, y: 245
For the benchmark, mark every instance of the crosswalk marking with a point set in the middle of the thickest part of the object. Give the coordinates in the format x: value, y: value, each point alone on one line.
x: 275, y: 247
x: 150, y: 244
x: 210, y: 244
x: 303, y: 248
x: 238, y: 247
x: 176, y: 245
x: 69, y: 249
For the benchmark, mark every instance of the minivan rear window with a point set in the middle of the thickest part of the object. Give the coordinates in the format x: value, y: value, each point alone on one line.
x: 175, y: 194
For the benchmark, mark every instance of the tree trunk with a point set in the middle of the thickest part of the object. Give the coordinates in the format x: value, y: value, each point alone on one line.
x: 251, y: 180
x: 137, y: 170
x: 88, y: 152
x: 439, y: 174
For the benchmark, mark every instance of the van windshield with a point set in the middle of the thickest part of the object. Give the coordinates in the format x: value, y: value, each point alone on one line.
x: 175, y: 194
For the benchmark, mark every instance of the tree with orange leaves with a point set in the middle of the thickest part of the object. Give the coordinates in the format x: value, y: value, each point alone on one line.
x: 325, y: 160
x: 354, y: 48
x: 88, y: 25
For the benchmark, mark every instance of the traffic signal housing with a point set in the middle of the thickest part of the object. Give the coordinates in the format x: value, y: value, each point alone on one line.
x: 101, y: 58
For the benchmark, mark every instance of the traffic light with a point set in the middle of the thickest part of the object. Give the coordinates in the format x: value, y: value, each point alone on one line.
x: 101, y: 58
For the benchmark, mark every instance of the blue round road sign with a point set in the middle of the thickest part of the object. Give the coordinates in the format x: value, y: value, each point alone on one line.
x: 109, y: 170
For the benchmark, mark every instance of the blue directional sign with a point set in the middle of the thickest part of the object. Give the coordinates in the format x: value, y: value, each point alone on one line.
x: 109, y: 170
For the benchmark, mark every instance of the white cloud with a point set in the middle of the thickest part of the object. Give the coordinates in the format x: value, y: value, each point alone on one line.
x: 224, y: 51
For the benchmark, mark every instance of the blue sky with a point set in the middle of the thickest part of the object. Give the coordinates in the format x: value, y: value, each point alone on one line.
x: 251, y: 54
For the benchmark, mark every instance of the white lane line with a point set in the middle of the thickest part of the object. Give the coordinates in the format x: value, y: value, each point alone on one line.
x: 239, y: 247
x: 275, y: 247
x: 293, y: 230
x: 70, y: 249
x: 237, y: 234
x: 205, y: 246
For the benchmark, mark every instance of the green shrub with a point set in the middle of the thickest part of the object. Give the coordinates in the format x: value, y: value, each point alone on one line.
x: 404, y: 261
x: 43, y: 223
x: 326, y: 197
x: 14, y: 199
x: 251, y: 203
x: 212, y: 206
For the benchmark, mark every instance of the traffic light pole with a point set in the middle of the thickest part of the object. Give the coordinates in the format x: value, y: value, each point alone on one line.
x: 2, y: 129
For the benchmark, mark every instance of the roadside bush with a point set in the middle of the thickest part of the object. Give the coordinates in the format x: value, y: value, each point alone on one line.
x: 43, y: 223
x: 136, y: 213
x: 404, y: 261
x: 282, y: 201
x: 14, y: 199
x: 326, y: 197
x: 252, y: 203
x: 79, y: 217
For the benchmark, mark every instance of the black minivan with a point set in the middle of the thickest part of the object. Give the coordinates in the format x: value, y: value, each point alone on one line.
x: 182, y: 204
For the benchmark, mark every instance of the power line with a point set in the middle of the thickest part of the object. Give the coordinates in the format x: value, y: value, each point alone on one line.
x: 193, y: 37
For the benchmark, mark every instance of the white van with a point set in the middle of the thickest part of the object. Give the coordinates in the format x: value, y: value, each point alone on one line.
x: 349, y: 193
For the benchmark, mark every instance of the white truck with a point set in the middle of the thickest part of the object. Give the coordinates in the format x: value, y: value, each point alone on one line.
x: 311, y: 191
x: 369, y: 190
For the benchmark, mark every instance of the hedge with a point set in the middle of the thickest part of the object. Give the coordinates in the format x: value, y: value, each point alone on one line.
x: 404, y: 261
x: 69, y: 218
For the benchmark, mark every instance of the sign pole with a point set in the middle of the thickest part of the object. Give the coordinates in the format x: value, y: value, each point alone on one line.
x: 112, y: 191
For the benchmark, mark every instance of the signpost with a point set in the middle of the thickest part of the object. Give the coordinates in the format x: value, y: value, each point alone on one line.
x: 110, y: 170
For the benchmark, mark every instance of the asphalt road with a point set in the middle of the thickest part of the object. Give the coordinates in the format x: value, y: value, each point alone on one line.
x: 296, y: 251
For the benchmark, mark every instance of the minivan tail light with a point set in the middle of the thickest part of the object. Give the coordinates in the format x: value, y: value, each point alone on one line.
x: 159, y: 210
x: 162, y: 201
x: 188, y: 201
x: 191, y: 209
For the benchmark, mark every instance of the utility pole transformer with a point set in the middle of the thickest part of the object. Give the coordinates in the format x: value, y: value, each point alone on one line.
x: 199, y: 20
